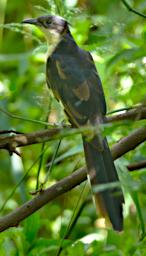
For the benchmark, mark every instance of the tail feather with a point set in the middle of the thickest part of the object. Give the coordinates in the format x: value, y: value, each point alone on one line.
x: 101, y: 170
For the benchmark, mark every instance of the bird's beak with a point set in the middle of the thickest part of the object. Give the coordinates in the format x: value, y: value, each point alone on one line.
x: 30, y: 21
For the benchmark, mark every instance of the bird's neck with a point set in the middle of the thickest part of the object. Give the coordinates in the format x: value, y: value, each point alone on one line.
x: 61, y: 44
x: 53, y: 39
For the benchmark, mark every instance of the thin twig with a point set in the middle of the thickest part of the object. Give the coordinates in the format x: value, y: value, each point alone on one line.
x: 132, y: 9
x: 21, y: 180
x: 52, y: 162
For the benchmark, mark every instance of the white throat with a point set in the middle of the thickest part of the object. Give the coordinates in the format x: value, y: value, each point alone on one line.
x: 53, y: 38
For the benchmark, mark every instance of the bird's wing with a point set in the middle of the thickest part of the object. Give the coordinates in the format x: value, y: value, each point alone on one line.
x: 75, y: 81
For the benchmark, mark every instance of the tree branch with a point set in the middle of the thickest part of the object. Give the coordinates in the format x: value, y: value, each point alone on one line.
x: 25, y: 139
x: 12, y: 219
x: 129, y: 143
x: 18, y: 140
x: 137, y: 166
x: 45, y: 196
x: 134, y: 114
x: 132, y: 9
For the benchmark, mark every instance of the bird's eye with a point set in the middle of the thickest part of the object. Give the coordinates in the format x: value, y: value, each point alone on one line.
x: 48, y: 22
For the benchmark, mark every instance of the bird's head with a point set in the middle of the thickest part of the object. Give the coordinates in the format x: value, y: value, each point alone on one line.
x: 52, y: 26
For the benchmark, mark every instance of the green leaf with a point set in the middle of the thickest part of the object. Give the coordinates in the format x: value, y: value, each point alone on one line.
x: 31, y: 227
x: 132, y: 188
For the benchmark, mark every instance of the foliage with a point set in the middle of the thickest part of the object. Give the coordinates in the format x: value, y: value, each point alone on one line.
x: 116, y: 39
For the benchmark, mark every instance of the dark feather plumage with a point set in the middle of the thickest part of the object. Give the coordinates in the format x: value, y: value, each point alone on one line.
x: 72, y: 76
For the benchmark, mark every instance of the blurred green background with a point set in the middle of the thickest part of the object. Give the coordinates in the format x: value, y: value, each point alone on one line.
x: 117, y: 40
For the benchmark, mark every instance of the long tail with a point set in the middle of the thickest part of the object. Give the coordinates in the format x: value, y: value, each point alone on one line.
x: 100, y: 165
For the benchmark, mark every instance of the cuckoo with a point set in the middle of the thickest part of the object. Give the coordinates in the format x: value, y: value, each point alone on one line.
x: 72, y: 76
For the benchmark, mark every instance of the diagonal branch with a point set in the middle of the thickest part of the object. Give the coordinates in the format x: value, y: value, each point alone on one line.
x: 129, y: 143
x: 61, y: 187
x: 12, y: 219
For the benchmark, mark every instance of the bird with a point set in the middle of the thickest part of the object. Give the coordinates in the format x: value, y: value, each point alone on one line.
x: 72, y: 76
